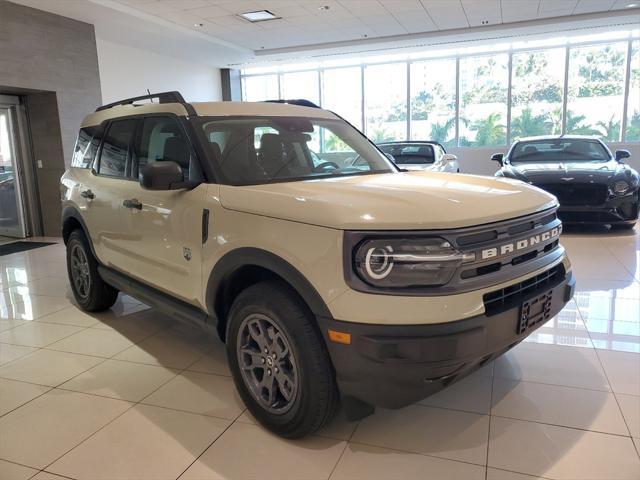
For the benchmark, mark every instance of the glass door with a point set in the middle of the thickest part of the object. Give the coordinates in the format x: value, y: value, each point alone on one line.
x: 11, y: 211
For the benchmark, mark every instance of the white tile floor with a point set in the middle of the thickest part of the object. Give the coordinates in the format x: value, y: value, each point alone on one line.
x: 129, y: 394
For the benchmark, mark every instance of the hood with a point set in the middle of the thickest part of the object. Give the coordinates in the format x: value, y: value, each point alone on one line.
x: 393, y: 201
x: 549, y: 172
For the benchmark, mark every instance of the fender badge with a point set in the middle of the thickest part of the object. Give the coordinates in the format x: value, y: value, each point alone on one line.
x: 186, y: 253
x: 566, y: 179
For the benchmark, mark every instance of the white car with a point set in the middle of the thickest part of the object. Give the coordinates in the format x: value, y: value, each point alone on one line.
x: 418, y: 155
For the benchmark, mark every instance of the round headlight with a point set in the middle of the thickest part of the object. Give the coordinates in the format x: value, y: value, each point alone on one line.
x: 378, y: 262
x: 407, y: 262
x: 620, y: 187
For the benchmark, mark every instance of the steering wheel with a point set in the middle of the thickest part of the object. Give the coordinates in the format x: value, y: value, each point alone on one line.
x: 323, y: 166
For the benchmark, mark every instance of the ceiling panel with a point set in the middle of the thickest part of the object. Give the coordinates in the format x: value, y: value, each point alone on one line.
x: 416, y: 22
x: 402, y: 6
x: 555, y: 8
x: 519, y: 10
x: 621, y: 4
x: 482, y: 12
x: 305, y: 22
x: 446, y: 14
x: 591, y: 6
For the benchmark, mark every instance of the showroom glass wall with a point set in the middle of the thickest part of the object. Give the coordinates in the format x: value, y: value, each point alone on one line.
x: 478, y: 96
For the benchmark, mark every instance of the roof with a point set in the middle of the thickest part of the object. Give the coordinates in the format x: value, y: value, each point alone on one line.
x: 214, y: 109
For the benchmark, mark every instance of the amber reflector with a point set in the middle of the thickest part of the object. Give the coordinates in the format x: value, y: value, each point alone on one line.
x: 340, y: 337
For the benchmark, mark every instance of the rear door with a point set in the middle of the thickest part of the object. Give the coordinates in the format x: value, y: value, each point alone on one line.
x: 164, y: 228
x: 102, y: 193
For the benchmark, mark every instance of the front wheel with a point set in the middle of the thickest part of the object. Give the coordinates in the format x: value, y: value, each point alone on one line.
x: 89, y: 290
x: 279, y: 362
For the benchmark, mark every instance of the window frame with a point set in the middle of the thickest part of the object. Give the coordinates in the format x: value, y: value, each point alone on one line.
x: 98, y: 157
x: 138, y: 138
x: 198, y: 153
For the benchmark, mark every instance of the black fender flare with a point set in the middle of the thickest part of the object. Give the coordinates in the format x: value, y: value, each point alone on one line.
x: 248, y: 256
x: 71, y: 212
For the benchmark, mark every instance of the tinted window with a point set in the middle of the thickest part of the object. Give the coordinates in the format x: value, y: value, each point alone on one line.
x: 86, y: 147
x: 115, y: 148
x: 559, y: 150
x: 410, y: 153
x: 162, y: 140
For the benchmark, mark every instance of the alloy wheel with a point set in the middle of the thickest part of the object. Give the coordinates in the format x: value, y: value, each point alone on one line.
x: 80, y: 271
x: 267, y: 363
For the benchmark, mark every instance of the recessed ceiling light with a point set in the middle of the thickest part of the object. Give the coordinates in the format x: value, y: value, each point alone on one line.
x: 631, y: 5
x: 259, y: 16
x: 324, y: 7
x: 198, y: 25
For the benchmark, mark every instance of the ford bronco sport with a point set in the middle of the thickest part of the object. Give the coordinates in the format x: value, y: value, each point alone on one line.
x: 326, y: 280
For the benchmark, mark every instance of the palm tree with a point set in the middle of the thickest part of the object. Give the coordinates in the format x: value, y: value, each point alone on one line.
x: 489, y: 131
x: 574, y: 126
x: 527, y: 124
x: 633, y: 127
x: 440, y: 131
x: 610, y: 130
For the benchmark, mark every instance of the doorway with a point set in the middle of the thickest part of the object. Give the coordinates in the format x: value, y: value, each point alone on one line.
x: 12, y: 217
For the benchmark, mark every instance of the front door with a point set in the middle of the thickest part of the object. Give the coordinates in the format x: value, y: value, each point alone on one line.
x: 164, y: 228
x: 11, y: 206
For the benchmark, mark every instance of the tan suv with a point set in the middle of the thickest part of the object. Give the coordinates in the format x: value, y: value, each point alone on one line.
x: 327, y: 281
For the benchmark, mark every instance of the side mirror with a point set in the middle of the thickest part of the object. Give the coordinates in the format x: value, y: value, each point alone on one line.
x: 498, y: 157
x: 162, y: 176
x: 622, y: 154
x: 449, y: 157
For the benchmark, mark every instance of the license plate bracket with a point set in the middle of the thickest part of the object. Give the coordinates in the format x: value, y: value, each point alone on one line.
x: 534, y: 311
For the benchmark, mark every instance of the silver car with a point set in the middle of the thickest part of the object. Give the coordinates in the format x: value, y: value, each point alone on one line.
x: 419, y: 155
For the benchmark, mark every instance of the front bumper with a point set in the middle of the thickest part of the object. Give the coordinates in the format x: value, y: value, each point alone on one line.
x: 616, y: 211
x: 392, y: 366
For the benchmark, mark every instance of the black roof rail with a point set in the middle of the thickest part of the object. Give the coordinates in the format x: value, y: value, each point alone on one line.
x: 163, y: 97
x: 301, y: 102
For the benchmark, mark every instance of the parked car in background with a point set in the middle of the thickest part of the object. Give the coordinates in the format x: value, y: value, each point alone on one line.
x: 592, y: 185
x: 418, y: 155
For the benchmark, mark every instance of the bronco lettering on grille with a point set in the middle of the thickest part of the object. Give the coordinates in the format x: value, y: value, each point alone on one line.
x: 522, y: 244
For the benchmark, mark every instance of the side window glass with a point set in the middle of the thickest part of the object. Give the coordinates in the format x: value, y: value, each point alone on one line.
x: 115, y: 148
x: 162, y: 140
x: 86, y: 147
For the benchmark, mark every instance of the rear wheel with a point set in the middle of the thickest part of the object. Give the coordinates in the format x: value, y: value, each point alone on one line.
x: 89, y: 290
x: 279, y: 362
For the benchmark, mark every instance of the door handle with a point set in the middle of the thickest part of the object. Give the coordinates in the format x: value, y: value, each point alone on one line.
x: 132, y: 203
x: 87, y: 194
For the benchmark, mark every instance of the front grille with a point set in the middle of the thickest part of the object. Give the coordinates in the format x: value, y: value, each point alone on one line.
x: 577, y: 193
x: 513, y: 295
x: 589, y: 217
x: 504, y: 232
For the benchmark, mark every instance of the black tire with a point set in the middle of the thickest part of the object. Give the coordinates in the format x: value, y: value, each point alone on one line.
x: 91, y: 292
x: 315, y: 399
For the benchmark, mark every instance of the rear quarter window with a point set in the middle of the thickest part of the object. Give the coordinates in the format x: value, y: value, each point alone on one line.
x: 86, y: 147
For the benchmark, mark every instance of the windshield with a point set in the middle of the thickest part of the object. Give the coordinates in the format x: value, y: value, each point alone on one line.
x: 250, y: 151
x: 559, y: 150
x: 410, y: 154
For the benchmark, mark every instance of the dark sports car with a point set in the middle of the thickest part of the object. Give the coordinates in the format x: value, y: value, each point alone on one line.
x: 592, y: 185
